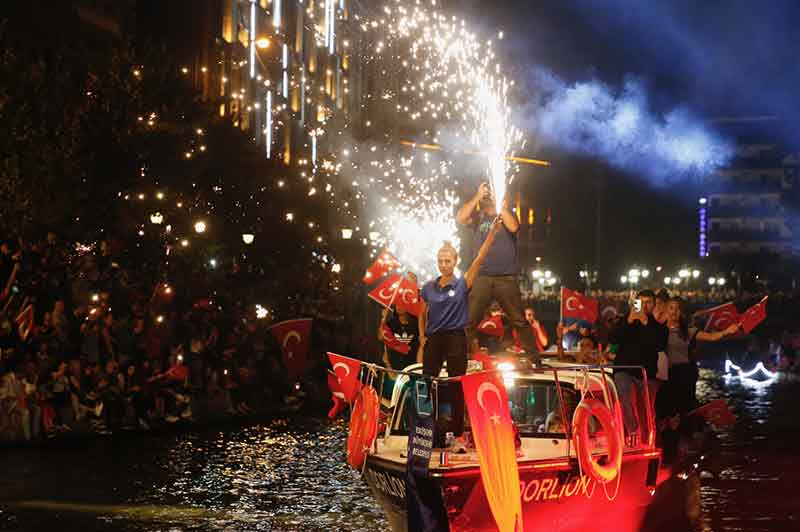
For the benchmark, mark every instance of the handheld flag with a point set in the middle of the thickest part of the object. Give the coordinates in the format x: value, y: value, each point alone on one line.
x: 492, y: 326
x: 294, y: 337
x: 722, y: 317
x: 579, y: 306
x: 384, y: 263
x: 24, y: 321
x: 386, y: 293
x: 754, y: 315
x: 716, y: 412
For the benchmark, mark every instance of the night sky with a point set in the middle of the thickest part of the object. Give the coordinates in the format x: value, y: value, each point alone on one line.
x: 707, y: 59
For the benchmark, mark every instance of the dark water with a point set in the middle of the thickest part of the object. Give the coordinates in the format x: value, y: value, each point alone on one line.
x: 291, y: 476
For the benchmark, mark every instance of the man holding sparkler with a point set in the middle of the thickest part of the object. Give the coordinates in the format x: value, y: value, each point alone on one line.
x: 497, y: 278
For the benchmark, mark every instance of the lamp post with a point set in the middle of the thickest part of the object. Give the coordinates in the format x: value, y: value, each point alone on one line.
x: 248, y: 238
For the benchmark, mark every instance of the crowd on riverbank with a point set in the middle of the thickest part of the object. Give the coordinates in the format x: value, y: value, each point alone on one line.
x: 92, y: 339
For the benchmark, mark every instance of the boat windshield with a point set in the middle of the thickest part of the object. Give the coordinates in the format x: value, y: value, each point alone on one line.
x: 536, y: 408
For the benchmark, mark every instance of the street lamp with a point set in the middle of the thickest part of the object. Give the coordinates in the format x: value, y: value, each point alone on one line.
x: 347, y: 233
x: 156, y: 218
x: 695, y: 274
x: 623, y: 279
x: 667, y: 280
x: 712, y: 281
x: 721, y: 281
x: 200, y: 227
x: 683, y: 274
x: 645, y: 273
x: 248, y: 238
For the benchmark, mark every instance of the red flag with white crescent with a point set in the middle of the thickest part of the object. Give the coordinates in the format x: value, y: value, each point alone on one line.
x: 294, y: 337
x: 391, y: 341
x: 386, y: 292
x: 384, y: 263
x: 575, y: 305
x: 408, y: 296
x: 493, y: 431
x: 346, y: 371
x: 492, y: 326
x: 722, y: 317
x: 754, y: 315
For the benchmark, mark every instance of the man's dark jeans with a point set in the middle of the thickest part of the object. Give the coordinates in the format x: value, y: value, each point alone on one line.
x: 505, y: 290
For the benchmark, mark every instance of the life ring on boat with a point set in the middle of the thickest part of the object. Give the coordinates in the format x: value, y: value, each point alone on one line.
x: 363, y: 426
x: 602, y: 473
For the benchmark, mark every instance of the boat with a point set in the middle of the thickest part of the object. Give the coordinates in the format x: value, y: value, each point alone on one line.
x: 559, y: 489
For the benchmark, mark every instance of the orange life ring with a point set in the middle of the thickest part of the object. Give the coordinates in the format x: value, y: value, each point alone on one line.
x: 363, y: 426
x: 602, y: 473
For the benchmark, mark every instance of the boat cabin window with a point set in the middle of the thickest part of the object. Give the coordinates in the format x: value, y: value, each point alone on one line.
x: 536, y: 408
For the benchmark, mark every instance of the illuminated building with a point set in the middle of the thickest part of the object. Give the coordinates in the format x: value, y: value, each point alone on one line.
x: 279, y: 69
x: 747, y: 206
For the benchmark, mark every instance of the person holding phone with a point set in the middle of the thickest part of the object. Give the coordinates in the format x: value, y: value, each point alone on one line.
x: 639, y: 339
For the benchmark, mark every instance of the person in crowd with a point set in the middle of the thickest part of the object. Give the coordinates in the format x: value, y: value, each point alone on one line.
x: 587, y: 351
x: 405, y: 329
x: 14, y: 401
x: 678, y: 395
x: 497, y: 278
x: 639, y: 339
x: 539, y: 332
x: 660, y: 310
x: 444, y: 316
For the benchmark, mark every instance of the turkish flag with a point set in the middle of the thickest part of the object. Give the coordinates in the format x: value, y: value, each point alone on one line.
x: 575, y: 305
x: 294, y: 337
x: 493, y: 432
x: 386, y: 292
x: 492, y: 326
x: 716, y: 412
x: 408, y: 296
x: 754, y: 315
x: 722, y: 317
x: 384, y: 263
x: 24, y: 321
x: 391, y: 341
x: 347, y: 372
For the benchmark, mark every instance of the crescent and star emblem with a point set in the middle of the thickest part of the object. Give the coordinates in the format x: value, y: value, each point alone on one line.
x: 487, y: 324
x: 570, y: 306
x: 289, y: 335
x: 491, y: 388
x: 346, y: 370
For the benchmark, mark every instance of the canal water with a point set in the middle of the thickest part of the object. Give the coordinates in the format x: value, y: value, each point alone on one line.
x: 290, y: 475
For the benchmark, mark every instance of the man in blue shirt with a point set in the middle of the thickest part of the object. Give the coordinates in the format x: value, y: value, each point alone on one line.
x: 497, y: 278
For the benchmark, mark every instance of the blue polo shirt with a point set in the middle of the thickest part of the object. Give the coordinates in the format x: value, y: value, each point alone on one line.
x: 502, y: 256
x: 448, y: 309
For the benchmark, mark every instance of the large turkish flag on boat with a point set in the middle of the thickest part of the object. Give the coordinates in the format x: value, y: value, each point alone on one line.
x: 493, y: 432
x: 384, y: 263
x: 347, y: 372
x: 294, y: 337
x: 579, y: 306
x: 721, y: 317
x: 754, y: 315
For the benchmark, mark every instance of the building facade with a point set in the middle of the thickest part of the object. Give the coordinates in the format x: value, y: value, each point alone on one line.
x: 749, y: 208
x: 282, y: 70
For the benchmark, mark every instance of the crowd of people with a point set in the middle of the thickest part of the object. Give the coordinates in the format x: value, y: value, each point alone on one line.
x: 94, y: 340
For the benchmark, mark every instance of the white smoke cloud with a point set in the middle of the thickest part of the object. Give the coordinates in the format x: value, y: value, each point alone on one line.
x: 618, y: 126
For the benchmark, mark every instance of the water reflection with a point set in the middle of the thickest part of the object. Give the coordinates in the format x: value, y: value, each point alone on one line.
x: 291, y: 476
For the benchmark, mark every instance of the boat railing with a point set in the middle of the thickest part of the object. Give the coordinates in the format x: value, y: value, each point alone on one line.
x: 585, y: 377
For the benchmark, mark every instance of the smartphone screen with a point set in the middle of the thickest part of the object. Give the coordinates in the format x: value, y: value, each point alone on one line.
x: 637, y: 305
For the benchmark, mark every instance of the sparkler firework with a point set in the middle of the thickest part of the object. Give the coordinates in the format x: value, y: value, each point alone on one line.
x: 441, y: 84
